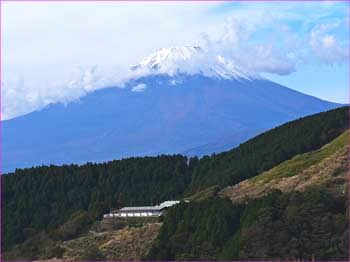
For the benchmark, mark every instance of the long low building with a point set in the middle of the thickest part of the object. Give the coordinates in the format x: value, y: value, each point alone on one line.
x: 146, y: 211
x: 143, y: 211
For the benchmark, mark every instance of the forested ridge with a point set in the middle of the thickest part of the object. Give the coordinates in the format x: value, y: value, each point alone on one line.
x: 43, y: 198
x: 290, y: 226
x: 269, y: 149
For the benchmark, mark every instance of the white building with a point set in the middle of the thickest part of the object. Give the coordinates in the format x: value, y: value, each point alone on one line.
x: 145, y: 211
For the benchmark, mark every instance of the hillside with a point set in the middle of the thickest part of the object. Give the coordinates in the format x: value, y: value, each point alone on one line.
x: 124, y: 244
x: 44, y: 198
x: 326, y: 167
x: 269, y: 149
x: 295, y: 211
x: 65, y: 201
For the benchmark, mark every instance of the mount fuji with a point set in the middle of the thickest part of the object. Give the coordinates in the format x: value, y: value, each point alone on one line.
x: 179, y: 100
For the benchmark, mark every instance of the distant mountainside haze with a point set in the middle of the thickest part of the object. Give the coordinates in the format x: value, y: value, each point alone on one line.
x: 180, y: 100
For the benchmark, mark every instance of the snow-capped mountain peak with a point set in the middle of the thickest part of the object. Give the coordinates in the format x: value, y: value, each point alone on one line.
x: 190, y: 60
x: 169, y: 55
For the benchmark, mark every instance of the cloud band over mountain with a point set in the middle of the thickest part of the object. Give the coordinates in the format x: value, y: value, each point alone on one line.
x: 257, y: 39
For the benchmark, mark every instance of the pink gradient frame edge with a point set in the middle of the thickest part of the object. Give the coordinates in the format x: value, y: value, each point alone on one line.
x: 281, y: 1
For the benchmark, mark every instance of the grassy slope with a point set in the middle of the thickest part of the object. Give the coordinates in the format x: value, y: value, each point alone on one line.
x: 268, y: 149
x: 301, y: 162
x: 308, y: 220
x: 327, y: 165
x: 207, y: 193
x: 127, y: 243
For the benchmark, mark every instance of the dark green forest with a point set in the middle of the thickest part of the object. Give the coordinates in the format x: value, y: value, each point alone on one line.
x: 273, y: 227
x: 265, y: 151
x: 43, y: 198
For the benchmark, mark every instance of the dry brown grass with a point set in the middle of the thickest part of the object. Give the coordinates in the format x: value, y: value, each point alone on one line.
x: 125, y: 244
x: 331, y: 172
x: 130, y: 243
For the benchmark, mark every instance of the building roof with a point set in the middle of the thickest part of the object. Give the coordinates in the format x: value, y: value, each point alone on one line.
x: 144, y: 208
x: 141, y: 208
x: 147, y: 208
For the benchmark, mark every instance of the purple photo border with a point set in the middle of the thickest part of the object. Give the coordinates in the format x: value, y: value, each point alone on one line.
x: 1, y: 74
x: 348, y: 189
x: 160, y: 1
x: 0, y: 131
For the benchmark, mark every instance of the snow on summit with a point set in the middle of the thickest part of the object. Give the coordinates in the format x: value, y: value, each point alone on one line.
x: 169, y: 55
x: 190, y: 60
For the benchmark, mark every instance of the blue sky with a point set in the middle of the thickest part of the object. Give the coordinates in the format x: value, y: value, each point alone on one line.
x: 325, y: 77
x: 56, y: 52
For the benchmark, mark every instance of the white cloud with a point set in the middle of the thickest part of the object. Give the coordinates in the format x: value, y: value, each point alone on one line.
x: 139, y: 88
x: 175, y: 82
x: 236, y: 43
x: 43, y: 41
x: 325, y: 45
x: 20, y: 96
x: 328, y: 41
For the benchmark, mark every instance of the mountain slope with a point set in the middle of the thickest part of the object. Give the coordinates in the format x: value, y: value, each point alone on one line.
x: 295, y: 211
x: 309, y: 220
x: 45, y: 198
x: 157, y: 117
x: 325, y: 167
x: 126, y: 244
x: 269, y: 149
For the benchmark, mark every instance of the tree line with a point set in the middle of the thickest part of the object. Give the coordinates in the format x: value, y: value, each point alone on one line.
x: 43, y: 198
